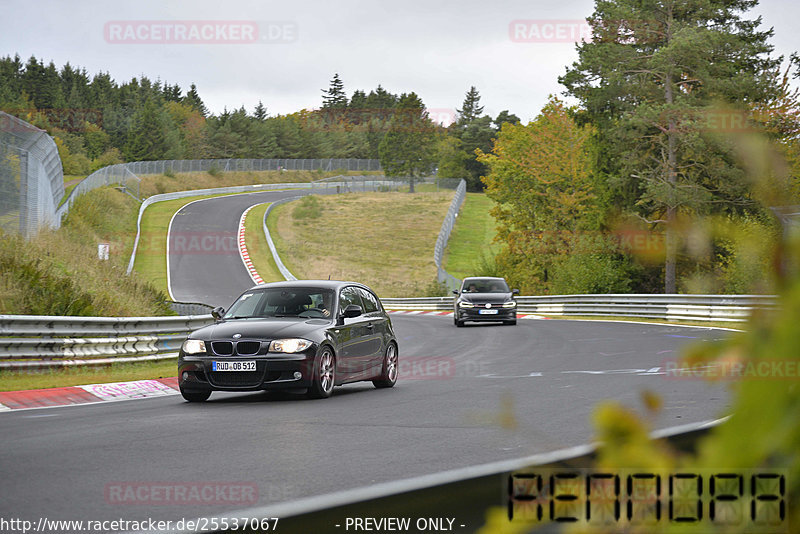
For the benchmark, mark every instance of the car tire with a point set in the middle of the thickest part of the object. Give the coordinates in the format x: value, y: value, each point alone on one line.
x: 198, y: 395
x: 457, y: 322
x: 324, y: 375
x: 389, y: 369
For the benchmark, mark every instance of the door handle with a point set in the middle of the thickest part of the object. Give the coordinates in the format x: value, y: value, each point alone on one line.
x: 370, y: 326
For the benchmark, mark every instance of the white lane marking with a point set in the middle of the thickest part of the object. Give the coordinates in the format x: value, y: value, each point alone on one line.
x: 4, y: 408
x: 534, y: 374
x: 40, y: 415
x: 653, y: 371
x: 640, y: 372
x: 566, y: 317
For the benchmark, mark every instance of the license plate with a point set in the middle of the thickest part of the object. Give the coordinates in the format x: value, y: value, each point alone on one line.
x: 487, y: 312
x: 234, y: 366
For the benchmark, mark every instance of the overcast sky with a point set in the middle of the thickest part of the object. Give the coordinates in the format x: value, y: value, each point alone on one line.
x: 436, y: 48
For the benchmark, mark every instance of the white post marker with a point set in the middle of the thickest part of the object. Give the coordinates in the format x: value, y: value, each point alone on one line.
x: 102, y: 251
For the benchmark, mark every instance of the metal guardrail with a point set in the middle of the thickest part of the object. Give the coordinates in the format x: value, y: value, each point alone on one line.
x: 45, y: 341
x: 444, y: 235
x: 28, y: 341
x: 190, y: 308
x: 722, y: 308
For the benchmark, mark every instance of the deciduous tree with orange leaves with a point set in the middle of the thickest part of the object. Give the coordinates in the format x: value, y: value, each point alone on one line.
x: 547, y: 206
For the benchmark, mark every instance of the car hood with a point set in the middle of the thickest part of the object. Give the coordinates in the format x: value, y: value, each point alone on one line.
x: 483, y: 298
x: 260, y: 328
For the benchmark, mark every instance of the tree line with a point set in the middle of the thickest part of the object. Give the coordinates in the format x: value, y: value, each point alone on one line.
x: 97, y: 121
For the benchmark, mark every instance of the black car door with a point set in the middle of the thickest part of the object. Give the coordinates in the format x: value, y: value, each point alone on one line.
x: 378, y: 329
x: 354, y: 337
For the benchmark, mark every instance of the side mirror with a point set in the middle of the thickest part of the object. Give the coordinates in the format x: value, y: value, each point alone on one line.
x: 217, y: 313
x: 455, y: 292
x: 352, y: 310
x: 515, y: 291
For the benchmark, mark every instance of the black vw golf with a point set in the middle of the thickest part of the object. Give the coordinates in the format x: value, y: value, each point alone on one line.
x: 485, y: 298
x: 284, y: 335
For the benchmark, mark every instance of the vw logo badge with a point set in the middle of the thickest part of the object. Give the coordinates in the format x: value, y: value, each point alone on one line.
x: 237, y: 336
x: 488, y: 305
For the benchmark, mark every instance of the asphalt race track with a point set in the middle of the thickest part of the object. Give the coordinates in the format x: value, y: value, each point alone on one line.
x: 465, y: 396
x: 204, y: 262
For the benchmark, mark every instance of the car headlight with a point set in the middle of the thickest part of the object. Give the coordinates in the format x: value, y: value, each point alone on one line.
x: 193, y: 346
x: 465, y: 304
x: 289, y: 345
x: 510, y: 304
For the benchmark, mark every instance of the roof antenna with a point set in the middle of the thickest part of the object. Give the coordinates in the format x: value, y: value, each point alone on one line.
x: 329, y: 277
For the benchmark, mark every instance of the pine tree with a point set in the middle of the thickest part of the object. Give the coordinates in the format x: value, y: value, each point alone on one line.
x: 408, y: 148
x: 334, y: 97
x: 505, y: 117
x: 260, y: 113
x: 650, y: 71
x: 194, y: 100
x: 471, y: 108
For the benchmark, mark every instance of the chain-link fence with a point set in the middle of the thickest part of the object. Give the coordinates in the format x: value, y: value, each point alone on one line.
x: 31, y: 178
x: 375, y: 183
x: 444, y: 235
x: 126, y: 174
x: 226, y: 165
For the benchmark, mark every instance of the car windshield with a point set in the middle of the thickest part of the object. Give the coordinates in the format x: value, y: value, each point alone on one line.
x: 485, y: 286
x: 305, y: 302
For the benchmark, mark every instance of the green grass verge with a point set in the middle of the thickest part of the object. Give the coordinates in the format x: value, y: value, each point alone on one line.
x: 388, y: 244
x: 472, y: 237
x: 257, y: 245
x: 280, y: 213
x: 58, y: 272
x: 77, y: 376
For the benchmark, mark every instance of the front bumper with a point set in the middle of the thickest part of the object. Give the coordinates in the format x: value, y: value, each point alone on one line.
x: 273, y: 371
x: 474, y: 314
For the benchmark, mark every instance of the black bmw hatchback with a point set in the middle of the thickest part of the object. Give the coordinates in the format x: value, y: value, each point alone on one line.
x: 285, y: 335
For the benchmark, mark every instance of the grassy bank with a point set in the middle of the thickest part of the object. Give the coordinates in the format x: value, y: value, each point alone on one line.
x: 385, y: 240
x: 471, y: 249
x: 59, y: 273
x: 257, y: 245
